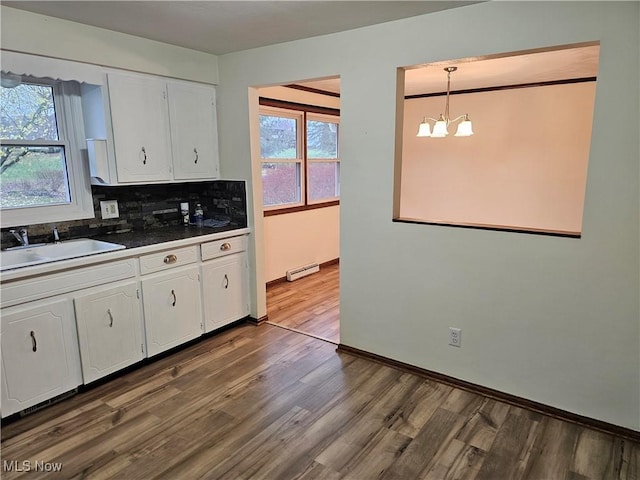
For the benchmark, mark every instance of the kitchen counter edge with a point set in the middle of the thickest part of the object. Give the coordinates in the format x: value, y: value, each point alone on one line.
x: 52, y: 267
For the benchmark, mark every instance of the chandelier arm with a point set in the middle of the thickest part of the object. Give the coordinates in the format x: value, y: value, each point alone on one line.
x: 430, y: 118
x: 458, y: 118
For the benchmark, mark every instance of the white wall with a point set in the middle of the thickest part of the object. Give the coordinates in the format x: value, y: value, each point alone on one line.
x: 311, y: 236
x: 28, y: 32
x: 525, y: 167
x: 555, y: 320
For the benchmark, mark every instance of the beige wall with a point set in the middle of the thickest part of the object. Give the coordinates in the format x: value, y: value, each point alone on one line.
x: 296, y: 239
x: 311, y: 236
x: 555, y: 320
x: 525, y: 167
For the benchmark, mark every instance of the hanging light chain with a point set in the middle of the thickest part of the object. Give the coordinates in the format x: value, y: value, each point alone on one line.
x: 446, y: 107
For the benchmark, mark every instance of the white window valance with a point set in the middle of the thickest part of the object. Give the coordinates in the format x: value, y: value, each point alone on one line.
x: 54, y: 68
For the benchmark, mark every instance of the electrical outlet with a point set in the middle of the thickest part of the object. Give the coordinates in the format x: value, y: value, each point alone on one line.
x: 455, y: 337
x: 109, y: 209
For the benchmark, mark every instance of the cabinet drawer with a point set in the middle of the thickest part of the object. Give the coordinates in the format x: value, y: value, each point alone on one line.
x: 223, y: 247
x: 156, y: 262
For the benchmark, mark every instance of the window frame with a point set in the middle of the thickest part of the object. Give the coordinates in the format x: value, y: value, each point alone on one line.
x: 299, y: 160
x: 289, y: 109
x: 321, y: 117
x: 68, y: 112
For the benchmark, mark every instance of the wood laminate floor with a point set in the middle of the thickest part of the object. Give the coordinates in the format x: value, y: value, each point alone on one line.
x: 268, y: 403
x: 310, y: 305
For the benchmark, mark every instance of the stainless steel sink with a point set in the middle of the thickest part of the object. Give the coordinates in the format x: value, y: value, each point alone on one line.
x: 53, y: 252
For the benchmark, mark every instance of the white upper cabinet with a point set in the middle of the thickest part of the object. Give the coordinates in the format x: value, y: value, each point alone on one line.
x: 140, y: 122
x: 194, y: 131
x: 145, y: 129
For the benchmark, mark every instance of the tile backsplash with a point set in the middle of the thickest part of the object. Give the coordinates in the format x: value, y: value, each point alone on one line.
x: 143, y: 207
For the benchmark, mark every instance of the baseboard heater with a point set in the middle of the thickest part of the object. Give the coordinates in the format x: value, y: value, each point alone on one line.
x: 303, y: 271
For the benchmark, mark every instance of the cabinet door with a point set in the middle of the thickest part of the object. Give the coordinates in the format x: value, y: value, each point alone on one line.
x: 109, y: 328
x: 140, y: 121
x: 194, y: 131
x: 225, y: 290
x: 172, y: 308
x: 39, y: 353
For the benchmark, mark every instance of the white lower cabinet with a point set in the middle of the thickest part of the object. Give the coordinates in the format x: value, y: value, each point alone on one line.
x: 110, y: 328
x: 172, y: 308
x: 225, y: 290
x: 39, y: 353
x: 60, y: 330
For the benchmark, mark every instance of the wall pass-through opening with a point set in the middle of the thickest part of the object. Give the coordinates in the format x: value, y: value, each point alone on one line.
x: 522, y: 166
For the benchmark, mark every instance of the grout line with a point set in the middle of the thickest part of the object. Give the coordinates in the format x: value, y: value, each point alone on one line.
x: 301, y: 332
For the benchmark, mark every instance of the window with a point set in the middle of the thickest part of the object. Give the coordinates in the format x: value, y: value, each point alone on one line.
x: 323, y: 165
x: 300, y: 161
x: 281, y: 153
x: 33, y: 169
x: 42, y: 178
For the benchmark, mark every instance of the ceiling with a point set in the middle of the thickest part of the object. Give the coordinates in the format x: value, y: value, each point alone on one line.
x: 516, y: 68
x: 512, y: 69
x: 220, y: 27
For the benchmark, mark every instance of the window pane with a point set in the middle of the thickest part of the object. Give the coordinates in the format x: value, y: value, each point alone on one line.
x: 322, y: 139
x: 28, y: 113
x: 33, y: 176
x: 324, y: 180
x: 278, y: 137
x: 280, y: 183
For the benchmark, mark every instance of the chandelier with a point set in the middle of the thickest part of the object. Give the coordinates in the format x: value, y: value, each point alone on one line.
x: 440, y: 127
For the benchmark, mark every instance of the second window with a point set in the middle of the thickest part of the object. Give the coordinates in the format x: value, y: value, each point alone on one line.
x: 299, y: 150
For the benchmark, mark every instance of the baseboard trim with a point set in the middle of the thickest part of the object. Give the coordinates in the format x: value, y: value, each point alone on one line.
x: 335, y: 261
x: 257, y: 321
x: 284, y: 279
x: 514, y: 400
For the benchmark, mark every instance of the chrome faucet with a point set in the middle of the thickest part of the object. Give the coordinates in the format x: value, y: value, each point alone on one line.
x: 21, y: 236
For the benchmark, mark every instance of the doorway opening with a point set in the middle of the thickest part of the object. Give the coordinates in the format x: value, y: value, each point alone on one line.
x: 300, y: 191
x: 310, y: 305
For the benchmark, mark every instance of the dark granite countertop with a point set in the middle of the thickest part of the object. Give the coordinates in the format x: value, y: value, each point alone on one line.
x: 142, y: 238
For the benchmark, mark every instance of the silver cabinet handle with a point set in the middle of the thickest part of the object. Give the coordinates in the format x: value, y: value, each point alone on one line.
x: 225, y: 246
x: 144, y: 153
x: 175, y: 299
x: 196, y: 152
x: 226, y: 280
x: 110, y: 317
x: 34, y: 343
x: 169, y: 259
